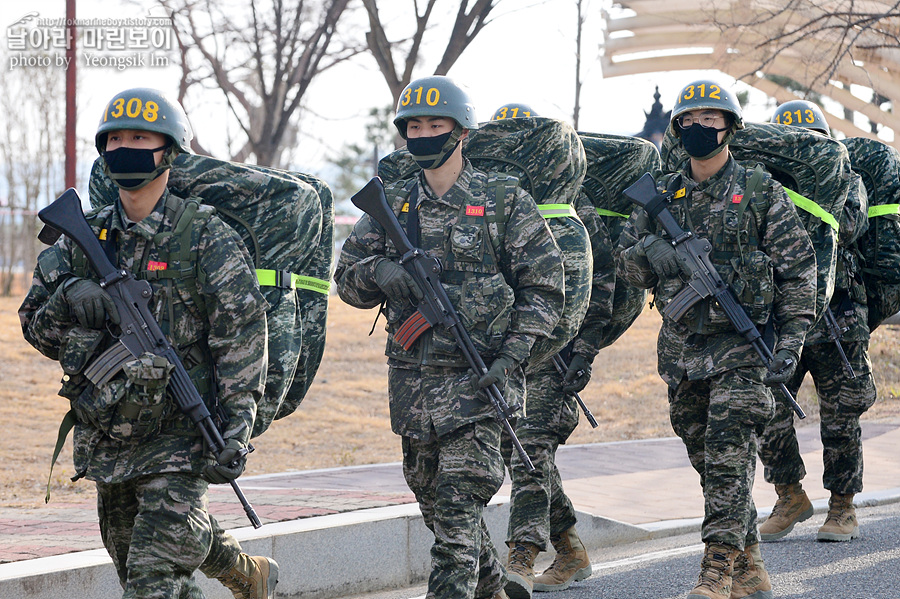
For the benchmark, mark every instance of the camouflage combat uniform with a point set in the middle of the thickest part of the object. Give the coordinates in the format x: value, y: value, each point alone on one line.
x: 539, y: 507
x: 841, y: 399
x: 504, y: 274
x: 717, y: 399
x: 147, y: 467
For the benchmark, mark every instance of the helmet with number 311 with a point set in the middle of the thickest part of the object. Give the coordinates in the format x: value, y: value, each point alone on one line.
x: 145, y: 109
x: 707, y: 94
x: 801, y: 113
x: 435, y: 96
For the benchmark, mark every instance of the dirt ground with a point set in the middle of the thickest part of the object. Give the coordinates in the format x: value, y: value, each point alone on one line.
x: 344, y: 419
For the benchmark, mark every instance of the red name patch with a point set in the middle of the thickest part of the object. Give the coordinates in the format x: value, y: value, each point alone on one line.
x: 151, y: 265
x: 474, y: 210
x: 736, y: 198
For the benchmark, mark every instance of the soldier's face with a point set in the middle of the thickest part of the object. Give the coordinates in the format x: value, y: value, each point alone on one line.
x: 429, y: 126
x: 133, y: 138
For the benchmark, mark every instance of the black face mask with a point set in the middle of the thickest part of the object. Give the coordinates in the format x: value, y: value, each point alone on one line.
x: 702, y: 142
x: 133, y: 168
x: 432, y: 152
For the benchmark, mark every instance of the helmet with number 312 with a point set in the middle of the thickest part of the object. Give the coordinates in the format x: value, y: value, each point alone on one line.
x: 801, y: 113
x: 145, y: 109
x: 706, y: 94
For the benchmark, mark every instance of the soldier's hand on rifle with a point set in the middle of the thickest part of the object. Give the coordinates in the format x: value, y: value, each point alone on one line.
x: 90, y: 303
x: 662, y: 256
x: 497, y: 373
x: 577, y: 375
x: 782, y: 368
x: 232, y: 462
x: 395, y: 282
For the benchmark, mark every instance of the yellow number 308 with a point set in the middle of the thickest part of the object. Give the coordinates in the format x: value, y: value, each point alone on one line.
x: 133, y: 107
x: 432, y: 96
x: 700, y: 91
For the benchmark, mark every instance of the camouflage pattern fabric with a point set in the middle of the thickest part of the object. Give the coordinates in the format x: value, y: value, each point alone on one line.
x: 718, y: 418
x: 547, y: 158
x: 538, y: 506
x: 842, y: 401
x: 156, y: 529
x: 614, y: 163
x: 879, y: 166
x: 279, y: 217
x: 815, y: 166
x: 453, y: 478
x: 717, y: 401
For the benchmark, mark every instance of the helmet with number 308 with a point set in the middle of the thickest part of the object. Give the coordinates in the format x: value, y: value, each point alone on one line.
x: 801, y: 113
x: 145, y: 109
x: 513, y: 110
x: 706, y: 94
x: 435, y: 96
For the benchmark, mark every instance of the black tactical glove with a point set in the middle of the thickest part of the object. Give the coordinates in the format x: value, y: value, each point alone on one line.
x: 662, y: 256
x: 232, y: 462
x: 396, y: 283
x: 782, y: 367
x: 90, y: 303
x: 577, y: 375
x: 497, y: 373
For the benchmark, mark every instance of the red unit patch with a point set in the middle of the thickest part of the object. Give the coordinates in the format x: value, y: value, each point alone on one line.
x: 474, y: 210
x: 736, y: 198
x: 153, y: 265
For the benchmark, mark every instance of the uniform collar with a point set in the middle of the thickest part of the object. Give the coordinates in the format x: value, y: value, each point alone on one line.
x: 148, y: 227
x: 718, y: 184
x: 458, y: 192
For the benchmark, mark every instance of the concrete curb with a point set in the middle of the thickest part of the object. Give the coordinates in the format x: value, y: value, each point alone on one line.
x: 337, y: 555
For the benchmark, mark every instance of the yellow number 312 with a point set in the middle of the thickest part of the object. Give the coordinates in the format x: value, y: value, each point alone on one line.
x: 700, y: 92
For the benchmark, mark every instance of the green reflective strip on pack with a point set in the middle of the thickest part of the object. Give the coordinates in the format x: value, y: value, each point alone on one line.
x: 557, y: 210
x: 884, y: 210
x: 604, y: 212
x: 274, y: 278
x: 311, y: 284
x: 813, y: 208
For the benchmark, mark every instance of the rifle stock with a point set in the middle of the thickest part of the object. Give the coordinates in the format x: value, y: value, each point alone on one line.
x: 704, y: 278
x: 139, y: 330
x: 435, y: 305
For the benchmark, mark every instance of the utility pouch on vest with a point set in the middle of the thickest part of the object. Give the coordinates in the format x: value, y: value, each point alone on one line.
x: 754, y: 285
x: 79, y: 346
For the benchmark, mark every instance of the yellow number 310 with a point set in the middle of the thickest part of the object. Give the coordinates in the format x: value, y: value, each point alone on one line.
x: 432, y: 96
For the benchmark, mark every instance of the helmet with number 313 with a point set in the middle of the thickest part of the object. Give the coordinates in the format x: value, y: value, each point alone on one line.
x: 801, y: 113
x: 513, y: 110
x: 145, y: 109
x: 435, y: 96
x: 706, y: 94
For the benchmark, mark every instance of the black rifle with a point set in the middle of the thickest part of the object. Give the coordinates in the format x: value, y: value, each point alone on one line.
x: 835, y: 332
x: 435, y: 307
x: 139, y: 331
x: 705, y: 280
x: 562, y: 368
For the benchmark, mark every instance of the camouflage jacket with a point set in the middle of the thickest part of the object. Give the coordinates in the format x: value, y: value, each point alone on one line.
x: 229, y: 330
x: 588, y: 342
x: 767, y: 259
x: 502, y: 271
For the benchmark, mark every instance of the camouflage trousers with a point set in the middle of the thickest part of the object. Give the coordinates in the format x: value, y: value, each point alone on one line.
x: 538, y: 506
x: 718, y: 419
x: 841, y: 402
x: 223, y: 552
x: 453, y: 477
x: 156, y: 529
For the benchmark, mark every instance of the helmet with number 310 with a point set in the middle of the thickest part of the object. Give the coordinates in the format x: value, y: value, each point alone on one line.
x: 801, y: 113
x: 706, y: 94
x: 145, y: 109
x: 435, y: 96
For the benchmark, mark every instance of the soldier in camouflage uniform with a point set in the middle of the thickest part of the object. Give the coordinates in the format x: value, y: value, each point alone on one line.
x: 146, y: 458
x: 842, y: 397
x: 540, y: 513
x: 503, y: 272
x: 718, y: 398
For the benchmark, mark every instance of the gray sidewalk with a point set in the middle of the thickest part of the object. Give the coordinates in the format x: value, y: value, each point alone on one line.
x: 623, y: 491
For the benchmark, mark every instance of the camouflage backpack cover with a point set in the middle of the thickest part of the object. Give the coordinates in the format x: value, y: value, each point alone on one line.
x: 286, y: 225
x: 879, y: 166
x: 815, y: 172
x: 548, y: 158
x: 614, y: 163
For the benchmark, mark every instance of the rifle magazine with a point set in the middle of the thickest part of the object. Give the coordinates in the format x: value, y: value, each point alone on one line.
x: 411, y: 330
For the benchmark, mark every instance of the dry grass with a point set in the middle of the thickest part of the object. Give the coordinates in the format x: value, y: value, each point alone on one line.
x: 344, y: 419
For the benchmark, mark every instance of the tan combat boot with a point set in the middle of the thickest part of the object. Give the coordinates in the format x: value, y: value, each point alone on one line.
x: 251, y: 577
x: 841, y: 524
x: 750, y: 579
x: 571, y: 564
x: 501, y: 594
x: 716, y: 569
x: 792, y: 506
x: 520, y: 570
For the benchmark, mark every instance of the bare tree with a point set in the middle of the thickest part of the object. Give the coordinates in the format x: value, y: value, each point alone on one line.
x: 263, y: 55
x: 578, y: 30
